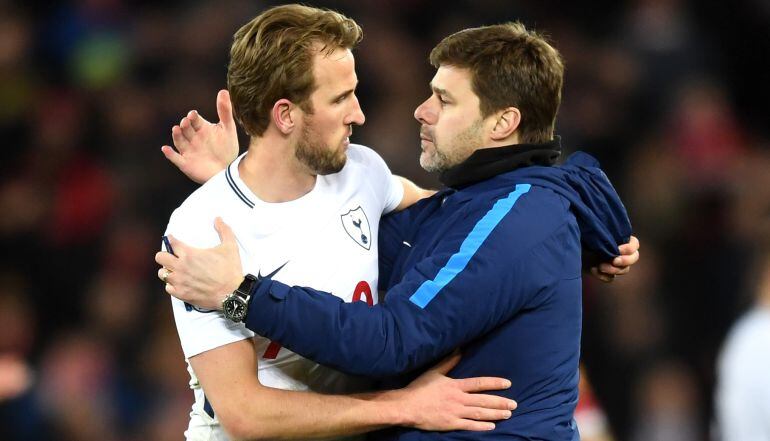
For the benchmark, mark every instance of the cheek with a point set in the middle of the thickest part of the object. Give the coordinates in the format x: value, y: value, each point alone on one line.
x: 447, y: 127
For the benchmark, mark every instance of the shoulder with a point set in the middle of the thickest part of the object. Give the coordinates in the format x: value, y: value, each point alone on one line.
x: 362, y: 157
x: 361, y: 153
x: 365, y: 169
x: 749, y: 337
x: 519, y: 205
x: 192, y: 222
x: 522, y: 217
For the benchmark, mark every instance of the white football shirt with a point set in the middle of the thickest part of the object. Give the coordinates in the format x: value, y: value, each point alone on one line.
x: 743, y: 386
x: 326, y: 239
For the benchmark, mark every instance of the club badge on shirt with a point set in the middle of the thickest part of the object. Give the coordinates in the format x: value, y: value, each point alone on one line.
x: 357, y: 226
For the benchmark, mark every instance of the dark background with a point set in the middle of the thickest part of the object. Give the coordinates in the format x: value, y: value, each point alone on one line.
x: 670, y: 95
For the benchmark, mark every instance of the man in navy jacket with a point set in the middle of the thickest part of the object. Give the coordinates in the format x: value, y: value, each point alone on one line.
x: 492, y: 264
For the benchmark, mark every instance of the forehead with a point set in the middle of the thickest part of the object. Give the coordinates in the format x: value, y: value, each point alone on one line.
x: 334, y: 70
x: 454, y: 80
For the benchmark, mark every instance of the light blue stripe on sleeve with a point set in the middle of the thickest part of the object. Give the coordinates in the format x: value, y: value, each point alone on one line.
x: 459, y: 260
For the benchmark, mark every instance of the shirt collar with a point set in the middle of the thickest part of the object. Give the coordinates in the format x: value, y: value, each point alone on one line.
x: 483, y: 164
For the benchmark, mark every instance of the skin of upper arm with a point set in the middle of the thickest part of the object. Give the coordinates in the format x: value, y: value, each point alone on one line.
x: 412, y: 193
x: 228, y: 376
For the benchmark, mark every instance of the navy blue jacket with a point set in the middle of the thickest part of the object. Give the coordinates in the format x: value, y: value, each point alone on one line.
x: 493, y: 268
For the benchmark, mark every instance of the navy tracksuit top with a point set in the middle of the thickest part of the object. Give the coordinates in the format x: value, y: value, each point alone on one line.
x: 492, y: 266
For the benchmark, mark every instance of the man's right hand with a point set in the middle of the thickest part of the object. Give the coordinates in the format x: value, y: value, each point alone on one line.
x: 436, y: 402
x: 202, y: 276
x: 202, y: 148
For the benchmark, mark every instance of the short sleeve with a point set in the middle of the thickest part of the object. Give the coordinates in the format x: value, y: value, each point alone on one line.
x: 200, y: 330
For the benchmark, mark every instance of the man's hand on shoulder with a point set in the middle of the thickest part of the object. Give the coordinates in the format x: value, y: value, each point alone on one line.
x: 437, y: 402
x: 629, y: 255
x: 202, y: 277
x: 202, y: 148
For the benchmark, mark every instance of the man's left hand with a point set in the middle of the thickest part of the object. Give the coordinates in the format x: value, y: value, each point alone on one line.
x: 202, y: 277
x: 629, y: 255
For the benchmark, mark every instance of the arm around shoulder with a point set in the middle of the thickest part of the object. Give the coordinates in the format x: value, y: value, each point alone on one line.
x: 412, y: 193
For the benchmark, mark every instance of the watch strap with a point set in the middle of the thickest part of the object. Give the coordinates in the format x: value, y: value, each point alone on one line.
x: 246, y: 287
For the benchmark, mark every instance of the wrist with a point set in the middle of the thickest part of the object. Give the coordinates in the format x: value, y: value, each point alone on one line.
x: 232, y: 284
x: 393, y: 408
x: 235, y: 306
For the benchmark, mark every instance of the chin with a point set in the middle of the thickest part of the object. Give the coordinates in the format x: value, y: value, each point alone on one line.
x: 333, y: 167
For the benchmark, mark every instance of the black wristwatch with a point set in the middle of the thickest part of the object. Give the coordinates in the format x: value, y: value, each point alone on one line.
x: 236, y: 305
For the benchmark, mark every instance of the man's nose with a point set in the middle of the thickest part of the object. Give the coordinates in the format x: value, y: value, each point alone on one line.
x: 357, y: 115
x: 424, y: 114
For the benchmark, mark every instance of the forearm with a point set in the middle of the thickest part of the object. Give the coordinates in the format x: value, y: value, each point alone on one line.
x: 248, y: 410
x: 280, y: 414
x: 412, y: 193
x: 381, y: 341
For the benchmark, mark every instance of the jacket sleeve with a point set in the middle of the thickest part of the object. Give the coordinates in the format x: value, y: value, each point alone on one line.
x: 468, y: 286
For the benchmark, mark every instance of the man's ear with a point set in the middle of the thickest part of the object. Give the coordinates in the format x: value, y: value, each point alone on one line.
x: 507, y: 122
x: 284, y: 114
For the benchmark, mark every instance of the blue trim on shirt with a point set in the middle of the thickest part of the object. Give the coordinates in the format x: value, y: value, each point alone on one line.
x: 430, y: 288
x: 235, y: 188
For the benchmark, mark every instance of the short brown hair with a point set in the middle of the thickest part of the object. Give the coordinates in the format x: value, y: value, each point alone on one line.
x: 272, y: 58
x: 510, y: 67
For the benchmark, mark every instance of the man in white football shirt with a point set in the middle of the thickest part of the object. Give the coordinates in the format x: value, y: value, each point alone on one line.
x: 305, y: 205
x: 743, y: 383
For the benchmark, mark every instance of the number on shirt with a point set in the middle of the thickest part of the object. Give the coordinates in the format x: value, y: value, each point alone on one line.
x: 362, y: 289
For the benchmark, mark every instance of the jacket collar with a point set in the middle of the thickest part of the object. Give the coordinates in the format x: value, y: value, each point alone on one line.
x: 487, y: 163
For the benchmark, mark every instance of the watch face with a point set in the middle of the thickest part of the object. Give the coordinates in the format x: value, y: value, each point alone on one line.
x: 234, y: 308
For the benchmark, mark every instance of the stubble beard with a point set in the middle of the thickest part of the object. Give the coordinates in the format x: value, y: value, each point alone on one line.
x: 314, y: 154
x: 454, y: 152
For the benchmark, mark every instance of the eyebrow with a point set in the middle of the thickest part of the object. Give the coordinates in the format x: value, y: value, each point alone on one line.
x: 347, y: 92
x: 440, y: 91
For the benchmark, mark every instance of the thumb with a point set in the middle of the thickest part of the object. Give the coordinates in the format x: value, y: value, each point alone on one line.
x: 450, y: 361
x: 226, y: 235
x: 178, y: 248
x: 225, y: 109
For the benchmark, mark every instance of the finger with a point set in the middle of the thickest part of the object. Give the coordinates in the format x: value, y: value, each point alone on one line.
x: 187, y: 129
x: 611, y: 270
x: 606, y: 278
x: 164, y: 274
x: 448, y: 363
x: 489, y: 401
x: 225, y: 109
x: 224, y: 231
x: 630, y: 247
x: 483, y: 414
x: 480, y: 384
x: 626, y: 260
x: 196, y: 120
x: 180, y: 142
x: 173, y: 156
x: 475, y: 426
x: 170, y: 289
x: 166, y: 260
x: 180, y: 248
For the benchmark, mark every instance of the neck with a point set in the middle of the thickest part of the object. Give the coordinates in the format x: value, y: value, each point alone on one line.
x: 272, y: 172
x: 490, y: 143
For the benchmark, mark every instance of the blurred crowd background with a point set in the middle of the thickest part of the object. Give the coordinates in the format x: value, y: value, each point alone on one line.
x: 670, y: 96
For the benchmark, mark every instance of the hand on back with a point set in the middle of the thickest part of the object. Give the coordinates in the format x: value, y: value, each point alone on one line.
x: 203, y: 148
